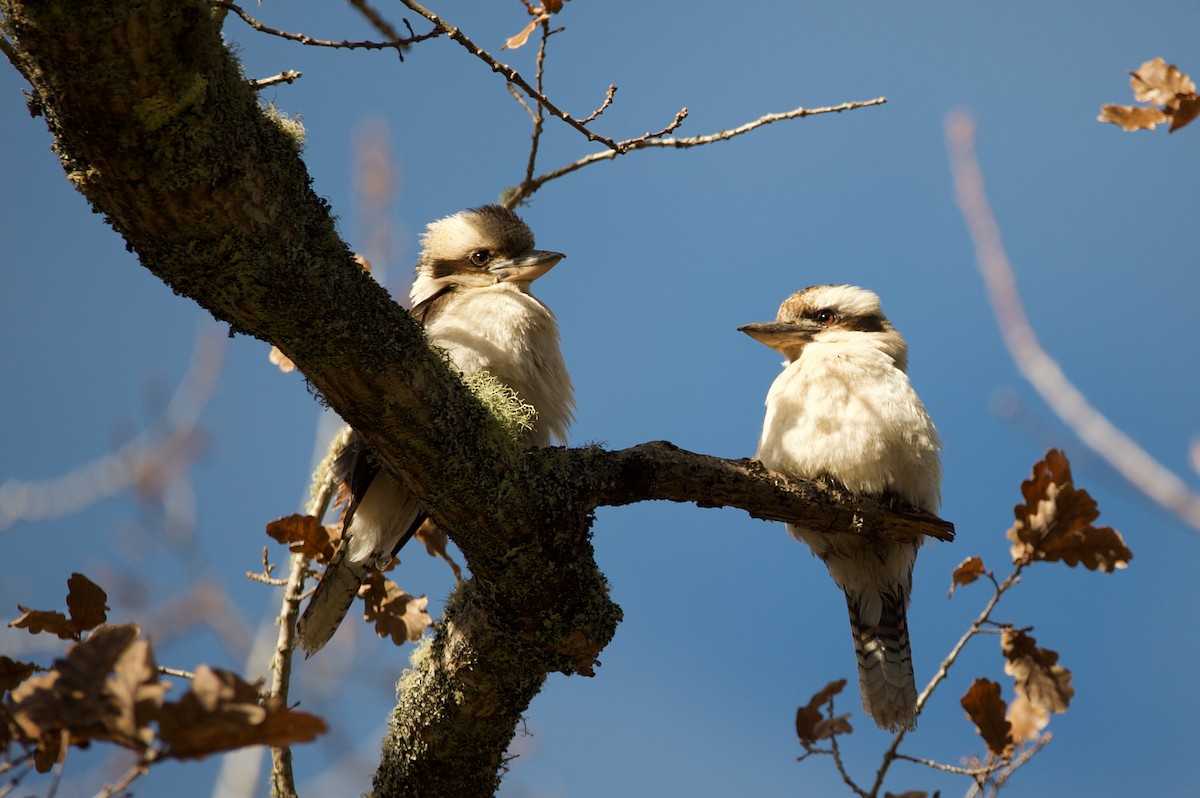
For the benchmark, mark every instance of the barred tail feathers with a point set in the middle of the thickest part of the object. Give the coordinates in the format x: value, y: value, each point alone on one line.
x: 885, y: 671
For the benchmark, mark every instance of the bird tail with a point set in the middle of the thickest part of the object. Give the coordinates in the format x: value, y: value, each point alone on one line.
x: 885, y: 672
x: 331, y: 600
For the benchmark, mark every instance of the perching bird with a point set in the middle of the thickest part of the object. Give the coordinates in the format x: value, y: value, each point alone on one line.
x: 843, y: 409
x: 471, y: 292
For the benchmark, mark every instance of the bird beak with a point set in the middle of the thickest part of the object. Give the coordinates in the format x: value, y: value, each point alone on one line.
x: 786, y: 338
x: 526, y: 267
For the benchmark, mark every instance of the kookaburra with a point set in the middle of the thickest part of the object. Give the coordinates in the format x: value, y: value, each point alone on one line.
x: 471, y: 293
x: 843, y: 409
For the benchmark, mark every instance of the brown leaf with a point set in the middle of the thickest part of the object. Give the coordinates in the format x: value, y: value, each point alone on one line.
x: 554, y: 6
x: 1132, y: 117
x: 395, y: 613
x: 1036, y: 671
x: 967, y: 572
x: 513, y: 42
x: 221, y: 712
x: 1189, y: 108
x: 985, y: 708
x: 1055, y: 522
x: 281, y: 361
x: 106, y: 688
x: 811, y: 723
x: 38, y: 621
x: 86, y: 603
x: 1159, y: 83
x: 305, y: 535
x: 13, y: 673
x: 1027, y: 720
x: 435, y: 541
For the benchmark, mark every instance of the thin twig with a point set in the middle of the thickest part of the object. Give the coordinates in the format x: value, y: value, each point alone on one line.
x: 999, y: 589
x: 527, y: 189
x: 286, y: 76
x: 283, y: 782
x: 972, y: 772
x: 508, y: 73
x: 608, y: 100
x: 841, y: 767
x: 1100, y: 435
x: 176, y: 672
x: 139, y: 768
x: 397, y: 44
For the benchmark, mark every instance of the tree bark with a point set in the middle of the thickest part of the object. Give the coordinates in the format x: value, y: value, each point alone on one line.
x: 157, y: 127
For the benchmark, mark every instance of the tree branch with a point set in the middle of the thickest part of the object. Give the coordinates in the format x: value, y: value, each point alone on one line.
x: 156, y: 126
x: 1122, y: 453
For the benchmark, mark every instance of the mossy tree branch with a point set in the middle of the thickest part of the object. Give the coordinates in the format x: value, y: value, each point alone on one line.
x: 158, y: 129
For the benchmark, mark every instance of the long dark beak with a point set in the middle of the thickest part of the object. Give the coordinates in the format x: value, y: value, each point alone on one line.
x: 525, y: 267
x: 784, y: 337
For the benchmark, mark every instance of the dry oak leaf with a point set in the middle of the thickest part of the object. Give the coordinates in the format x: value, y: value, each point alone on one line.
x: 395, y: 613
x: 519, y: 40
x: 811, y: 723
x: 222, y: 712
x: 1027, y: 719
x: 38, y: 621
x: 985, y: 708
x: 435, y: 541
x: 86, y: 602
x: 967, y: 572
x: 1159, y: 83
x: 1036, y: 671
x: 1055, y: 522
x: 305, y: 535
x: 1132, y: 117
x: 281, y: 361
x: 13, y: 673
x: 1189, y: 108
x: 106, y: 688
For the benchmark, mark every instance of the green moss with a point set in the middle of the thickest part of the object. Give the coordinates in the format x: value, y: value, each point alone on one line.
x: 514, y: 416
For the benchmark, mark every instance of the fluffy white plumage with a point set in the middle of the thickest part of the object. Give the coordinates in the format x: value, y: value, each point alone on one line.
x: 844, y: 409
x: 471, y: 292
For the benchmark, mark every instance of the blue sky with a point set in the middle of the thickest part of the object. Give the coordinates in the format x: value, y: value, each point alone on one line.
x: 729, y: 624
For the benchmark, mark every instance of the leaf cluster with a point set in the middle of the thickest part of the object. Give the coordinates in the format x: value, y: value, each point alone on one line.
x: 107, y: 688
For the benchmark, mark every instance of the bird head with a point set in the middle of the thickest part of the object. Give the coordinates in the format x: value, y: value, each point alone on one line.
x: 476, y: 248
x: 829, y: 314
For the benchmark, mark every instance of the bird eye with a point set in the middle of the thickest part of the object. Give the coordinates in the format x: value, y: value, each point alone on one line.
x: 826, y: 317
x: 480, y: 257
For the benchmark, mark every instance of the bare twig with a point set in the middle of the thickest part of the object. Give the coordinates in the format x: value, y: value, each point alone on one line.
x: 608, y: 100
x: 976, y: 627
x: 525, y: 190
x: 398, y: 44
x: 120, y: 785
x: 268, y: 569
x: 176, y: 672
x: 508, y: 73
x: 283, y: 783
x: 286, y: 76
x: 1120, y: 451
x: 986, y: 770
x: 841, y: 766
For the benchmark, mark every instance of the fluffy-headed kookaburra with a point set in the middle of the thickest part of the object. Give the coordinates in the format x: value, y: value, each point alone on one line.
x: 843, y: 409
x: 471, y: 293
